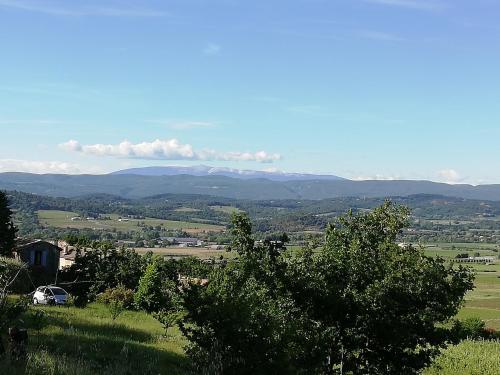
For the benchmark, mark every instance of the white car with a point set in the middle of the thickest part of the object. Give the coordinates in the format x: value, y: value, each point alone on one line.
x: 50, y: 295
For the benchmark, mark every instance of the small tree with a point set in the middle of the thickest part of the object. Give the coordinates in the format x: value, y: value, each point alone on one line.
x: 155, y: 291
x: 117, y: 300
x: 7, y: 228
x: 169, y: 318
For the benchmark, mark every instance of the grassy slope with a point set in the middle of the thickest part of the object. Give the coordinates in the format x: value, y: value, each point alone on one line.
x: 86, y: 341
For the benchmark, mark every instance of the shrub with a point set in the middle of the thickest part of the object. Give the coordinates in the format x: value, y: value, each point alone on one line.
x: 117, y: 300
x: 470, y: 328
x: 120, y: 293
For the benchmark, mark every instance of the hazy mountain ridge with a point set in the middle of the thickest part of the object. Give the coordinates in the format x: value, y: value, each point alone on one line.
x: 204, y: 170
x: 134, y: 186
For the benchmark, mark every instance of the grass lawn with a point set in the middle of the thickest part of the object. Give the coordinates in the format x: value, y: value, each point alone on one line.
x: 87, y: 341
x: 62, y: 219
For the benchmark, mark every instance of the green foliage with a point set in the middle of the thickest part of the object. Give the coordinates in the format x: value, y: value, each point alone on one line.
x: 241, y: 231
x: 361, y: 304
x: 120, y: 293
x: 7, y: 228
x: 10, y: 310
x: 188, y: 266
x: 115, y: 308
x: 38, y: 319
x: 155, y: 291
x: 117, y: 300
x: 471, y: 328
x: 169, y: 318
x: 100, y: 268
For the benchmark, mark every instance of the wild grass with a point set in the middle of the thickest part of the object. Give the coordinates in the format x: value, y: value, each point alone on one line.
x: 87, y: 341
x: 469, y: 357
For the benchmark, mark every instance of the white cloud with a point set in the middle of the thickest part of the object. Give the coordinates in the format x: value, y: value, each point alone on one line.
x: 56, y: 9
x: 376, y: 177
x: 450, y: 176
x: 35, y: 166
x: 169, y: 149
x: 212, y: 49
x: 411, y: 4
x: 71, y: 145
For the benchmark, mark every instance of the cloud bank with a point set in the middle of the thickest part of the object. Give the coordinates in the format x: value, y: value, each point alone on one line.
x: 169, y: 149
x: 450, y: 176
x: 39, y: 167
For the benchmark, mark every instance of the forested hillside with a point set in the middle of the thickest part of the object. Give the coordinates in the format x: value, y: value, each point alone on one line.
x: 131, y: 186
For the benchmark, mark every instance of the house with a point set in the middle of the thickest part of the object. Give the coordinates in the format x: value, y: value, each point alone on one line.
x: 67, y: 258
x: 183, y: 241
x: 41, y: 255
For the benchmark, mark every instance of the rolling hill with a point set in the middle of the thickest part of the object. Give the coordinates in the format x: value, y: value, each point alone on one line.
x: 136, y: 186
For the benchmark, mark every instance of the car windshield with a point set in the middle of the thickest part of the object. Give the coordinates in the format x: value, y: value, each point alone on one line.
x: 58, y: 291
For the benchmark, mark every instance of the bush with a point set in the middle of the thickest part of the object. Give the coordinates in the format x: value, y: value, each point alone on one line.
x: 117, y: 300
x: 469, y: 329
x: 120, y: 293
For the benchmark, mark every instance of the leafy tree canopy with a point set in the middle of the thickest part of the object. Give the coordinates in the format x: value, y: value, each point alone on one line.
x: 360, y: 304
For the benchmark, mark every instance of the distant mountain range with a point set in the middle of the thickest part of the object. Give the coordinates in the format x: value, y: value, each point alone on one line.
x: 204, y: 170
x: 139, y: 186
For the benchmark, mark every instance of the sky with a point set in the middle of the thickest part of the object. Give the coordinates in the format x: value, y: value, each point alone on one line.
x: 363, y: 89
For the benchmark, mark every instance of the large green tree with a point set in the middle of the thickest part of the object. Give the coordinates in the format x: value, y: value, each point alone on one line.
x: 360, y: 304
x: 7, y: 228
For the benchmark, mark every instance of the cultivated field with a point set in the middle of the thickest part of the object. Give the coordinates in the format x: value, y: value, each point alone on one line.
x: 62, y: 219
x: 484, y: 301
x: 226, y: 209
x: 200, y: 252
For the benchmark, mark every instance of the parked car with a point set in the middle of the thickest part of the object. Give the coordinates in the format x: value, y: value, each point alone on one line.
x: 50, y: 295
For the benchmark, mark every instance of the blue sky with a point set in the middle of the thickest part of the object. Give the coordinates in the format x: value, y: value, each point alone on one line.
x: 363, y: 89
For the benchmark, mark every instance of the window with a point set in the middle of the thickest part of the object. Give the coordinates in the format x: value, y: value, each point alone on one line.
x: 38, y: 258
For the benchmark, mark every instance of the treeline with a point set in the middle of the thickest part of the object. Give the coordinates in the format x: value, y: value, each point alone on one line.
x: 269, y: 217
